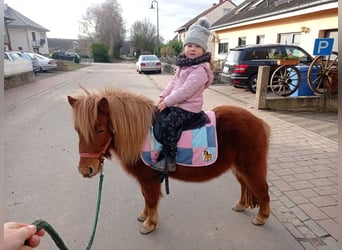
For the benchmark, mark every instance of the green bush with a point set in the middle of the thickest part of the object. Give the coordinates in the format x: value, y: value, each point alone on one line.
x: 99, y: 52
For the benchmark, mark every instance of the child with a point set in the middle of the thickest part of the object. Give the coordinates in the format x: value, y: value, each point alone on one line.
x: 182, y: 99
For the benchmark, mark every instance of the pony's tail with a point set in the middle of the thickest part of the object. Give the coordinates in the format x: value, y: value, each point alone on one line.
x: 249, y: 199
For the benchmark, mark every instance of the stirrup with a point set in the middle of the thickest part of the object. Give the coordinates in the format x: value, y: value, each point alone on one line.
x: 159, y: 165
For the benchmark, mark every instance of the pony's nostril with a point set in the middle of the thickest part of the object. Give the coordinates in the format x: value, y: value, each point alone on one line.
x: 91, y: 171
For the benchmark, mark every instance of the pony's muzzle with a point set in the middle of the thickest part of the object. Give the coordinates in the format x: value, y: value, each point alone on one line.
x: 88, y: 167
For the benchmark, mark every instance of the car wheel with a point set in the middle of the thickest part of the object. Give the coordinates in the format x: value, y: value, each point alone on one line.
x: 252, y: 83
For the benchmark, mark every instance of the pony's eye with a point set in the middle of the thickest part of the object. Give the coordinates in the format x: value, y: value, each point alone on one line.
x: 100, y: 130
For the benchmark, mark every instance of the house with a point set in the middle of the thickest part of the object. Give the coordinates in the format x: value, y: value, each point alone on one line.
x: 215, y: 12
x: 24, y: 34
x: 297, y: 22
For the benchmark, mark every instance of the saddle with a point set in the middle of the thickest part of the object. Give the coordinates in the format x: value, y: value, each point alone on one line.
x: 197, y: 121
x: 197, y: 142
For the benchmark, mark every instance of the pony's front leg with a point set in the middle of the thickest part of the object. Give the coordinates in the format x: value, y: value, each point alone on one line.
x: 149, y: 215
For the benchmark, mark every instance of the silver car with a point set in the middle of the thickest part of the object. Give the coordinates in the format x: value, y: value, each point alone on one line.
x: 148, y: 63
x: 45, y: 63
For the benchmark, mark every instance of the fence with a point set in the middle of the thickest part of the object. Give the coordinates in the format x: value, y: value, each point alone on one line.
x: 17, y: 67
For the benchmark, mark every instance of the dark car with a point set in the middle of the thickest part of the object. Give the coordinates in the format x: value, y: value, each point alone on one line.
x: 65, y: 55
x: 240, y: 67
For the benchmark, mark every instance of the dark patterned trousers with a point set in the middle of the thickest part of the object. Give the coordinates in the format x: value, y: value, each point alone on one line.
x: 173, y: 121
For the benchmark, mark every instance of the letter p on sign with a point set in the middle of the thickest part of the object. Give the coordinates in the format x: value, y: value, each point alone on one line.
x: 323, y: 46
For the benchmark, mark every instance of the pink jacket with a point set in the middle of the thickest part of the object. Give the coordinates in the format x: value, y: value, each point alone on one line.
x: 186, y: 89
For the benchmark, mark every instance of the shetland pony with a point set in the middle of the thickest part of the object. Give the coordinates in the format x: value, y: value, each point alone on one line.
x: 113, y: 121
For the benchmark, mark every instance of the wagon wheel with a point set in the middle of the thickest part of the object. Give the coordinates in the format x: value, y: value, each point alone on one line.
x: 285, y: 80
x: 322, y: 74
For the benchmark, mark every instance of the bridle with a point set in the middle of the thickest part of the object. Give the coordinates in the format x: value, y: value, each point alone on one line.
x: 99, y: 155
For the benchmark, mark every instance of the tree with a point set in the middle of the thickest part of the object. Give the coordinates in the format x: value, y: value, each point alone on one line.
x: 104, y: 24
x: 144, y: 36
x: 99, y: 52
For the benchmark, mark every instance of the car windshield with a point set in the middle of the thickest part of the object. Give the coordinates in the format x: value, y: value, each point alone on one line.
x: 41, y: 57
x: 233, y: 56
x: 14, y: 56
x: 149, y: 58
x: 298, y: 53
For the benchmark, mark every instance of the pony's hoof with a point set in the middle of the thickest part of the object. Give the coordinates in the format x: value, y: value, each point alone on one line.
x: 258, y: 221
x: 145, y: 230
x: 141, y: 218
x: 238, y: 208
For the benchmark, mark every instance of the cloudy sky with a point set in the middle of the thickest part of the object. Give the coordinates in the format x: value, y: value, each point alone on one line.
x: 61, y: 17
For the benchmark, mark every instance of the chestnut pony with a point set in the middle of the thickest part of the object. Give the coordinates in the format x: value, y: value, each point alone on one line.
x: 113, y: 121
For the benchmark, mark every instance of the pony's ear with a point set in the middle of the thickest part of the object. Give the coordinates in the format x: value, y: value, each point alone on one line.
x: 71, y: 100
x: 104, y: 106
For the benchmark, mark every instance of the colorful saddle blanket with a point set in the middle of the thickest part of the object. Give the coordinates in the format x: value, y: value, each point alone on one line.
x: 196, y: 147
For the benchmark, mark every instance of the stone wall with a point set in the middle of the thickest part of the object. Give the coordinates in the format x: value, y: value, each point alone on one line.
x: 19, y: 79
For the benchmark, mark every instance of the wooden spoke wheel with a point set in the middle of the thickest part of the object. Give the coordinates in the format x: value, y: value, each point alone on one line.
x: 285, y: 80
x: 323, y: 74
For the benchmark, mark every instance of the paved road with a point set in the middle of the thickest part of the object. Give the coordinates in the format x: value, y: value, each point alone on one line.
x: 42, y: 181
x: 303, y: 162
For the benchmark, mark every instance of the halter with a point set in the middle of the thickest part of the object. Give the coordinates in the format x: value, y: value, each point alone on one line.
x: 97, y: 155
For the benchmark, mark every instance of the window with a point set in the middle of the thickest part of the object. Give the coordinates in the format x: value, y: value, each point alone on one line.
x: 223, y: 47
x: 332, y: 34
x: 256, y: 4
x: 280, y: 2
x: 241, y: 8
x: 226, y: 11
x: 242, y: 41
x: 260, y: 39
x: 290, y: 38
x: 33, y: 36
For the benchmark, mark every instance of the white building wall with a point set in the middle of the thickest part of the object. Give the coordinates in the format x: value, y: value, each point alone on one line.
x: 273, y: 29
x: 23, y: 38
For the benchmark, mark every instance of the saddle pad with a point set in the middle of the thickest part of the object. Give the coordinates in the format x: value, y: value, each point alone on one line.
x: 195, y: 148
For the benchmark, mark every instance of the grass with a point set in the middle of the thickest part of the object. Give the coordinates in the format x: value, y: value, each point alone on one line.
x: 64, y: 65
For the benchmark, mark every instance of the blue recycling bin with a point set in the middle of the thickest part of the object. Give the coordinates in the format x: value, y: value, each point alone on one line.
x: 303, y: 88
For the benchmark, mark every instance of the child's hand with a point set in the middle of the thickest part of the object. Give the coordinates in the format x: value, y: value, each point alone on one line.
x: 162, y: 106
x: 161, y: 99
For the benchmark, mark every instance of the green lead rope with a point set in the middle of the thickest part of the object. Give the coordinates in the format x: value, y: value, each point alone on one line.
x: 41, y: 224
x: 97, y: 213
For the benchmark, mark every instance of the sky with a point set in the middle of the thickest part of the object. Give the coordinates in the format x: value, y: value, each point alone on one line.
x: 62, y: 17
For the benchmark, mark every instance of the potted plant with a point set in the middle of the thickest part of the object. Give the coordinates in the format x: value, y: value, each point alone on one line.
x: 287, y: 60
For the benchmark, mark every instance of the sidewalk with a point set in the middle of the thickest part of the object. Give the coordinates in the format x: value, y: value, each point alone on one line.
x: 302, y: 165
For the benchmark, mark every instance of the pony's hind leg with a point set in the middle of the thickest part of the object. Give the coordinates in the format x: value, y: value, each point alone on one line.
x: 254, y: 193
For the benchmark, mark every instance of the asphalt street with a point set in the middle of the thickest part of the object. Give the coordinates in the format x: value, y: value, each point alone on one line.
x: 42, y: 181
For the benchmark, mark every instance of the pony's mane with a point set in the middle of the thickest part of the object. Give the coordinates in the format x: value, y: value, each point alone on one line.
x: 130, y: 115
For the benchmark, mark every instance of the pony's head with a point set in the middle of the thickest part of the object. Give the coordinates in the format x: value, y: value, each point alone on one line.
x: 94, y: 132
x: 110, y: 121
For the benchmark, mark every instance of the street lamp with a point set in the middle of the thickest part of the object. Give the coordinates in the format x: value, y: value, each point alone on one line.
x: 152, y: 7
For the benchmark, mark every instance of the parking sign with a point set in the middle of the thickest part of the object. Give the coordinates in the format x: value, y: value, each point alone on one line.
x: 323, y: 46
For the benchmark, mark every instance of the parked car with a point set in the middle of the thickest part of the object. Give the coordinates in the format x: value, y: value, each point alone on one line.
x: 65, y: 55
x: 240, y: 67
x: 31, y: 57
x: 148, y: 63
x: 45, y: 63
x: 11, y: 56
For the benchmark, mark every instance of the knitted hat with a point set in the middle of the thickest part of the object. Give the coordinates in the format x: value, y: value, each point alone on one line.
x: 198, y: 33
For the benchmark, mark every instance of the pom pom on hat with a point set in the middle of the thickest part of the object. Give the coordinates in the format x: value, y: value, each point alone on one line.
x: 198, y: 33
x: 203, y: 21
